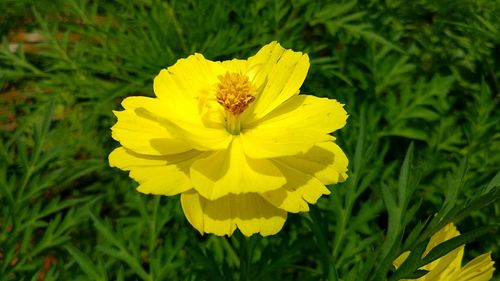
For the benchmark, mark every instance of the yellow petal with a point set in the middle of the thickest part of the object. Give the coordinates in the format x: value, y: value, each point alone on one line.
x: 184, y: 89
x: 144, y: 135
x: 127, y: 159
x: 179, y: 102
x: 200, y: 136
x: 446, y: 266
x: 183, y: 125
x: 162, y: 180
x: 237, y: 66
x: 294, y: 127
x: 277, y: 74
x: 248, y: 212
x: 188, y: 77
x: 447, y: 232
x: 162, y: 175
x: 450, y: 263
x: 401, y: 259
x: 187, y: 94
x: 232, y: 172
x: 326, y: 161
x: 300, y: 189
x: 261, y: 64
x: 479, y: 269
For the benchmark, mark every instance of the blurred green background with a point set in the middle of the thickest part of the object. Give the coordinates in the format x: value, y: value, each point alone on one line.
x: 420, y: 80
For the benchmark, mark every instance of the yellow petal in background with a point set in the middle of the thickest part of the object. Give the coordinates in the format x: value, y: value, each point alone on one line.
x: 443, y: 267
x: 479, y: 269
x: 449, y: 263
x: 248, y: 212
x: 448, y: 267
x: 447, y: 232
x: 232, y: 172
x: 399, y: 260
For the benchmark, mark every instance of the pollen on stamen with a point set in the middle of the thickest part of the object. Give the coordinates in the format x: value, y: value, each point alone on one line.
x: 234, y: 92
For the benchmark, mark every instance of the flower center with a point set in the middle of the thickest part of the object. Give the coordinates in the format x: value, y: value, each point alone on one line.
x: 234, y: 93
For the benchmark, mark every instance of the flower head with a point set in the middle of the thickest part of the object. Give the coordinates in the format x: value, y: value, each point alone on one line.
x: 449, y: 267
x: 235, y: 139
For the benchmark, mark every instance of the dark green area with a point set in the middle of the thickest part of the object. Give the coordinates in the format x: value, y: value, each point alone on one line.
x: 420, y: 80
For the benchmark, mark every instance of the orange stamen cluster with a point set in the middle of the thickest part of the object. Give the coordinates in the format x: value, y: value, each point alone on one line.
x: 234, y: 92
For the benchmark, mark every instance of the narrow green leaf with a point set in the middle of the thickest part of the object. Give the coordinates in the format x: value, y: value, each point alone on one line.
x: 389, y: 200
x: 404, y: 178
x: 476, y: 204
x: 495, y: 182
x: 417, y: 274
x: 104, y: 230
x: 407, y: 132
x: 84, y: 262
x: 370, y: 35
x: 411, y: 264
x: 455, y: 186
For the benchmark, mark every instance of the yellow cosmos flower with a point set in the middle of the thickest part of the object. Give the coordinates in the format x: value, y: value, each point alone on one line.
x: 449, y: 267
x: 235, y: 139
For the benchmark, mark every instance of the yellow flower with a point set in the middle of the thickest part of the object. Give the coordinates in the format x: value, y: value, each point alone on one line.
x: 235, y: 139
x: 449, y: 267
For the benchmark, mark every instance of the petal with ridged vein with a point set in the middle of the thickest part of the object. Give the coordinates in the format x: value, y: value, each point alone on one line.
x: 299, y: 190
x: 162, y: 175
x: 189, y: 77
x: 183, y: 126
x: 144, y: 135
x: 325, y: 161
x: 248, y: 212
x: 294, y: 127
x: 479, y: 269
x: 232, y: 172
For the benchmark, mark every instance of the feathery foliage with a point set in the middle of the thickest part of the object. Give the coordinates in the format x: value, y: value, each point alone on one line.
x: 420, y: 80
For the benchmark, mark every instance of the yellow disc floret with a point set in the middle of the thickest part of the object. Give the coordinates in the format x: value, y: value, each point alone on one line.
x: 234, y: 92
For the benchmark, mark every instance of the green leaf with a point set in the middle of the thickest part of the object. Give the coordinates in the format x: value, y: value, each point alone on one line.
x: 334, y: 10
x: 85, y: 263
x: 115, y: 247
x: 495, y: 182
x: 416, y: 274
x: 404, y: 178
x: 411, y: 264
x: 372, y: 36
x: 476, y: 204
x: 407, y: 132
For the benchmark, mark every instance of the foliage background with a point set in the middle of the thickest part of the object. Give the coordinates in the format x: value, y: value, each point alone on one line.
x: 420, y: 80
